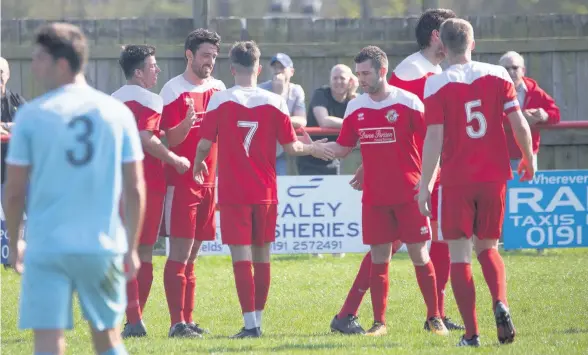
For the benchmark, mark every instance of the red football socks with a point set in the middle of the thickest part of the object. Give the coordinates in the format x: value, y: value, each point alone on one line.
x: 245, y: 285
x: 262, y: 279
x: 358, y: 289
x: 379, y: 286
x: 426, y: 279
x: 190, y: 292
x: 462, y: 283
x: 439, y: 254
x: 145, y: 280
x: 495, y: 274
x: 133, y: 310
x: 174, y: 282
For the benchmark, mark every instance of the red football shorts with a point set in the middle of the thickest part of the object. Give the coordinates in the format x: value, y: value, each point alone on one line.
x: 386, y: 224
x: 153, y: 216
x: 475, y: 209
x: 248, y: 224
x: 189, y: 213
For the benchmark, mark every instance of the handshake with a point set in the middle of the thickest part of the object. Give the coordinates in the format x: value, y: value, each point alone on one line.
x: 320, y: 149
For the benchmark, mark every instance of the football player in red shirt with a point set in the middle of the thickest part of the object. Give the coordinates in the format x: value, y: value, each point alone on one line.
x: 464, y: 109
x: 140, y: 69
x: 189, y: 206
x: 248, y: 120
x: 388, y: 123
x: 411, y: 75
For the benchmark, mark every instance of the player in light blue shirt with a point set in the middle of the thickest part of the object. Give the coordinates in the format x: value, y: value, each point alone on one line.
x: 75, y: 150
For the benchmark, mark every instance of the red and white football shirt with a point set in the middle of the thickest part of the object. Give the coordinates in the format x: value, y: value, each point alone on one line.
x: 412, y: 73
x: 177, y: 94
x: 469, y: 101
x: 388, y: 132
x: 147, y: 107
x: 247, y: 122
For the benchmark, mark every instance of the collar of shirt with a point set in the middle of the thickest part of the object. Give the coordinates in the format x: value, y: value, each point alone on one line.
x: 521, y: 87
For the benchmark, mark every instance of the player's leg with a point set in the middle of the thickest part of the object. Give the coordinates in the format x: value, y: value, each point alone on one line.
x: 458, y: 210
x: 261, y: 278
x: 439, y: 254
x: 379, y: 286
x: 489, y: 219
x: 205, y: 231
x: 415, y: 231
x: 265, y: 218
x: 100, y: 283
x: 236, y: 230
x: 138, y: 288
x: 180, y: 221
x: 360, y: 286
x: 46, y: 313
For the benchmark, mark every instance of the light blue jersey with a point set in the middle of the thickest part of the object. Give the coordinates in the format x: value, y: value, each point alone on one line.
x: 75, y: 139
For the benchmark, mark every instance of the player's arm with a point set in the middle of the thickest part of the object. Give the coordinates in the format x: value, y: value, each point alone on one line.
x: 431, y: 155
x: 522, y: 133
x: 176, y: 135
x: 339, y: 151
x: 133, y: 188
x: 348, y: 137
x: 202, y: 150
x: 287, y: 138
x: 134, y: 197
x: 18, y: 164
x: 13, y: 203
x: 433, y: 119
x: 153, y: 145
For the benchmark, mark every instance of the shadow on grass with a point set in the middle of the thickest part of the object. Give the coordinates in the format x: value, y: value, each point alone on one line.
x: 574, y: 331
x: 299, y: 346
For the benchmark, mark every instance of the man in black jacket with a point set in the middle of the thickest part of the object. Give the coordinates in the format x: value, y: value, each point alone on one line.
x: 10, y: 101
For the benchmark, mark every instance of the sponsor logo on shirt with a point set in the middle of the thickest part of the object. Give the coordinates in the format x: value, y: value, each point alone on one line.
x: 424, y: 230
x: 377, y: 135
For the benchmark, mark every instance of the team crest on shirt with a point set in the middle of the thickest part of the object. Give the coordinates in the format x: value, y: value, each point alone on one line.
x: 392, y: 116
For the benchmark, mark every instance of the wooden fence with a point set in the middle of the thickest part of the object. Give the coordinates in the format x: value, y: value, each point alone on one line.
x: 555, y: 48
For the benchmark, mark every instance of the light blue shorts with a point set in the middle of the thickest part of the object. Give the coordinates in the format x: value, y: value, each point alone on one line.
x: 49, y: 283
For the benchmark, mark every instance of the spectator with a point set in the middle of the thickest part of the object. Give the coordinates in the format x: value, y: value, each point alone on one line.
x: 10, y: 102
x: 537, y: 106
x: 327, y: 108
x: 282, y: 69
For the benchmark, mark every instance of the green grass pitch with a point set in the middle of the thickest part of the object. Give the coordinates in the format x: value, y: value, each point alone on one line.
x: 548, y: 296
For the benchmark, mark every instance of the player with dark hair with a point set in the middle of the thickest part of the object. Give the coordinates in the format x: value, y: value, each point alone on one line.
x: 189, y: 206
x: 76, y: 241
x: 247, y: 121
x: 464, y: 109
x: 140, y: 69
x: 411, y: 75
x: 388, y: 123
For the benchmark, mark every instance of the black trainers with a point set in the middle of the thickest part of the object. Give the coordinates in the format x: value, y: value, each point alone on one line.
x: 504, y: 326
x: 136, y: 330
x: 196, y: 327
x: 449, y: 324
x: 247, y: 333
x: 347, y: 325
x: 474, y: 341
x: 181, y: 330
